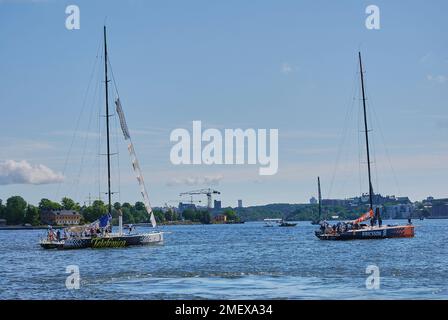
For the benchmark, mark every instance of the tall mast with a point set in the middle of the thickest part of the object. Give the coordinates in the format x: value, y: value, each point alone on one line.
x: 366, y: 132
x: 106, y: 82
x: 320, y: 197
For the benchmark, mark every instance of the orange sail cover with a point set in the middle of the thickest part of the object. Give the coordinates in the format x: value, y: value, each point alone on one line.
x: 364, y: 217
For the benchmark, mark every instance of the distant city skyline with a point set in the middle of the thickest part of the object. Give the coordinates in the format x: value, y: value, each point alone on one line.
x: 283, y: 65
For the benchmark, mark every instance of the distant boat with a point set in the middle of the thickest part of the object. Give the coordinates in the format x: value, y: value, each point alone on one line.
x: 272, y: 222
x: 287, y: 224
x: 354, y: 229
x: 278, y: 222
x: 99, y: 233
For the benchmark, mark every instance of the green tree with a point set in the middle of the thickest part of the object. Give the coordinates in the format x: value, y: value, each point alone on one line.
x: 127, y: 215
x: 69, y: 204
x: 159, y: 215
x: 2, y: 210
x: 139, y: 212
x: 96, y: 210
x: 204, y: 217
x: 48, y: 205
x: 230, y: 214
x: 15, y: 210
x: 170, y: 215
x: 140, y: 206
x: 32, y: 215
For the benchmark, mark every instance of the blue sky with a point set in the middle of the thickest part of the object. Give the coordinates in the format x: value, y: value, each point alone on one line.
x: 289, y: 65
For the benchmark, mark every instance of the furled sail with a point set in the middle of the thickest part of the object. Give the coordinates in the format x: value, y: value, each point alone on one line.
x: 364, y: 217
x: 134, y: 162
x: 124, y: 126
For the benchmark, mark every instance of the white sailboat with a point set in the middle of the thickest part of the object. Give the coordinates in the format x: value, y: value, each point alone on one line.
x: 95, y: 235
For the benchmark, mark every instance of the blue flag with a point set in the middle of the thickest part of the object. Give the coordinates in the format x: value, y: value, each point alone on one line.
x: 104, y: 220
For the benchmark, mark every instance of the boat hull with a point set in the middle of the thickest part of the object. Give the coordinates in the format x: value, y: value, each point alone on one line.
x: 406, y: 231
x: 285, y: 225
x: 116, y: 241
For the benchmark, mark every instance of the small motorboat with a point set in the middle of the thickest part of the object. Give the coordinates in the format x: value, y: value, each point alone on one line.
x: 278, y: 222
x: 287, y: 224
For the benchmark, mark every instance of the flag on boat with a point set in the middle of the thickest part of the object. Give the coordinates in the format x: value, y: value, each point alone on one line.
x: 104, y: 221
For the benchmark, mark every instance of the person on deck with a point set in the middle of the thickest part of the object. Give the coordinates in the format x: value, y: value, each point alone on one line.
x: 323, y: 226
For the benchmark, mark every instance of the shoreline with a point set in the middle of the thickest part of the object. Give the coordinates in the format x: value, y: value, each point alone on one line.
x: 29, y: 228
x: 171, y: 223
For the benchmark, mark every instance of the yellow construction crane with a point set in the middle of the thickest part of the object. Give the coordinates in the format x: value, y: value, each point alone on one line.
x: 209, y: 192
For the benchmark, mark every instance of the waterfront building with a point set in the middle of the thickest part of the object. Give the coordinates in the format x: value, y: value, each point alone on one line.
x: 439, y: 211
x: 220, y: 218
x: 60, y: 217
x: 335, y: 202
x: 398, y: 211
x: 185, y: 206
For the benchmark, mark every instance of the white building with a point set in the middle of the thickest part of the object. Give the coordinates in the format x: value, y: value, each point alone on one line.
x: 398, y: 211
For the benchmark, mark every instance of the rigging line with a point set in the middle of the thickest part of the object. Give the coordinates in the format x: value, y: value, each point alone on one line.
x: 386, y: 149
x: 113, y: 77
x: 359, y: 147
x: 78, y: 121
x: 344, y: 131
x: 146, y: 197
x: 86, y: 137
x: 99, y: 133
x: 97, y: 146
x: 116, y: 124
x: 374, y: 149
x: 351, y: 145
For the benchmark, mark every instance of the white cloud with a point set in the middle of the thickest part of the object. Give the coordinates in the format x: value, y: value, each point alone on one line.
x: 436, y: 78
x: 287, y: 68
x: 196, y: 181
x: 22, y: 172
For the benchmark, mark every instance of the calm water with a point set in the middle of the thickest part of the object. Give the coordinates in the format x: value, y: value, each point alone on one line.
x: 245, y: 261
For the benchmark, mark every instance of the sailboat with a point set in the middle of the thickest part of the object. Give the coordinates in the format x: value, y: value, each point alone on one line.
x: 356, y: 229
x: 319, y: 218
x: 98, y: 234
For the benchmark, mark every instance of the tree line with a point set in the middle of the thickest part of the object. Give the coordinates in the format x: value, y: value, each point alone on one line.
x: 17, y: 211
